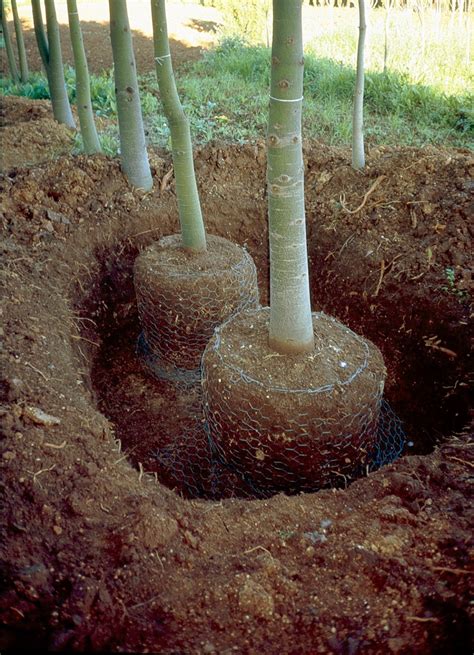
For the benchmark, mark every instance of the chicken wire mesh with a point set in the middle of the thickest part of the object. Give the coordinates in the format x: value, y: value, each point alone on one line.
x: 193, y: 466
x: 183, y: 296
x: 292, y: 422
x: 199, y: 464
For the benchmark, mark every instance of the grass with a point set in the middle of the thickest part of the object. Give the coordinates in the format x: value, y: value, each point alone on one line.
x: 225, y: 95
x: 228, y: 90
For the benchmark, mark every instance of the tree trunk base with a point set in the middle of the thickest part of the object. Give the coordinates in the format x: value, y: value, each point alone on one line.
x: 292, y: 422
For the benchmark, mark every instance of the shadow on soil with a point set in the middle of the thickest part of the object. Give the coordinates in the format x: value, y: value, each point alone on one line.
x: 96, y: 38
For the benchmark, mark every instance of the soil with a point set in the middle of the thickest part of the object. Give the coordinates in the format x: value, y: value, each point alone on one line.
x: 40, y: 139
x: 191, y: 28
x: 99, y: 555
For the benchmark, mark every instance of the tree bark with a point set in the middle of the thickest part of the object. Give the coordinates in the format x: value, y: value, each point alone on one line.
x: 358, y: 156
x: 84, y: 103
x: 57, y: 86
x: 24, y: 72
x: 9, y: 47
x: 40, y: 35
x: 193, y: 234
x: 388, y: 6
x: 134, y: 157
x: 291, y: 327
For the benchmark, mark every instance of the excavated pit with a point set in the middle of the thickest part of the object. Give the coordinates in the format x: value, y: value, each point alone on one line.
x: 152, y: 416
x: 160, y: 426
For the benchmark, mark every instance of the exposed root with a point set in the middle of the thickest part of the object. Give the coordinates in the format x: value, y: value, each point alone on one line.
x: 166, y: 179
x: 383, y: 269
x: 342, y: 197
x: 37, y: 371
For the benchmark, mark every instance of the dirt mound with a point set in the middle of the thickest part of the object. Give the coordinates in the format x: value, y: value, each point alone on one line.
x: 40, y: 138
x: 99, y: 555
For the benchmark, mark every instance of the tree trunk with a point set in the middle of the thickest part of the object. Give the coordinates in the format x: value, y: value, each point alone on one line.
x: 134, y: 157
x: 460, y: 14
x: 358, y: 156
x: 193, y: 234
x: 291, y: 328
x: 24, y: 72
x: 467, y: 54
x: 388, y: 5
x: 40, y: 35
x: 57, y: 87
x: 9, y: 47
x: 84, y: 103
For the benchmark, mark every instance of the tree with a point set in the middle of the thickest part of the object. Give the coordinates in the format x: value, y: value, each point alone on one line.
x: 50, y: 52
x: 193, y: 234
x: 358, y: 156
x: 292, y: 399
x: 291, y: 328
x: 24, y: 72
x: 186, y: 284
x: 133, y: 154
x: 388, y: 7
x: 8, y: 45
x: 84, y: 103
x: 41, y: 40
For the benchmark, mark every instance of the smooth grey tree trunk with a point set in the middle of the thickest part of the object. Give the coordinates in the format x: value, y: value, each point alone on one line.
x: 20, y: 42
x: 84, y: 103
x: 8, y: 46
x: 358, y: 155
x: 193, y: 234
x: 57, y: 86
x: 388, y: 6
x: 40, y: 35
x: 291, y: 327
x: 134, y: 157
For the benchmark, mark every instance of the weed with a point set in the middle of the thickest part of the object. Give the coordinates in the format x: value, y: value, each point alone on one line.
x: 452, y: 284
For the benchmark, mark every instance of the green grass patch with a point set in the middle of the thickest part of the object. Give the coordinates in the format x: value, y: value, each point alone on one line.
x: 229, y: 90
x: 226, y: 94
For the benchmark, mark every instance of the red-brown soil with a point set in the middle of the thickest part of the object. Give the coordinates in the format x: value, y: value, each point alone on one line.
x: 192, y: 29
x: 97, y: 554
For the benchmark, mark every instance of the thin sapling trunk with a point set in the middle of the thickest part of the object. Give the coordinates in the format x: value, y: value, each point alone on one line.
x: 388, y: 6
x: 8, y: 46
x: 20, y: 42
x: 193, y: 234
x: 84, y: 103
x: 291, y: 327
x: 358, y: 156
x: 134, y: 157
x: 41, y: 38
x: 57, y: 86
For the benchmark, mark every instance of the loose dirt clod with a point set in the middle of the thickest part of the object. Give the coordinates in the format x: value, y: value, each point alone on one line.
x: 40, y: 417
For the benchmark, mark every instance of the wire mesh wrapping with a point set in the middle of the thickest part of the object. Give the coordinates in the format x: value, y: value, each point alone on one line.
x: 182, y: 296
x: 193, y: 466
x: 293, y: 423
